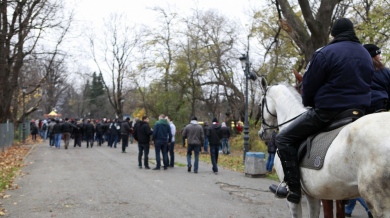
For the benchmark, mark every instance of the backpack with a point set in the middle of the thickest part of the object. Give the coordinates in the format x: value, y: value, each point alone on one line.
x: 44, y: 127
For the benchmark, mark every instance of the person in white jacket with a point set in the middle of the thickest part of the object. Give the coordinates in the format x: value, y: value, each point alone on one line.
x: 171, y: 145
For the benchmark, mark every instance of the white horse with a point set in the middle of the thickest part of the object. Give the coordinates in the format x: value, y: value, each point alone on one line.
x: 357, y: 163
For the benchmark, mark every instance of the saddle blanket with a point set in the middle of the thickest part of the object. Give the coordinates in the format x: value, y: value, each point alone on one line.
x: 319, y: 147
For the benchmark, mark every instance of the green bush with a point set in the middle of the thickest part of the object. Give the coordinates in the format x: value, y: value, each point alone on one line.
x: 255, y: 144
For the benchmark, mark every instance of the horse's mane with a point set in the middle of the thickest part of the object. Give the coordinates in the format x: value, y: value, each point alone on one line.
x: 293, y: 91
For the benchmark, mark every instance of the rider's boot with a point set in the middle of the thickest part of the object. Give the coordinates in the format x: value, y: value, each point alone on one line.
x: 292, y: 191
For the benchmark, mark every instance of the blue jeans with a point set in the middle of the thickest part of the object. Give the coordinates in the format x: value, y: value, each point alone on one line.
x: 108, y: 139
x: 51, y: 137
x: 131, y: 138
x: 114, y: 140
x: 225, y: 142
x: 352, y: 203
x: 270, y: 162
x: 214, y: 157
x: 44, y: 134
x: 171, y: 149
x: 163, y: 146
x: 206, y: 144
x: 57, y: 139
x: 189, y: 153
x: 99, y: 137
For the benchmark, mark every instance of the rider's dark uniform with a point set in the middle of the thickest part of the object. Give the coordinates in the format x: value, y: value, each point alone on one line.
x: 338, y: 78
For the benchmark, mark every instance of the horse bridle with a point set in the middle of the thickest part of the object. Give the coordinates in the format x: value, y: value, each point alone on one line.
x: 264, y: 102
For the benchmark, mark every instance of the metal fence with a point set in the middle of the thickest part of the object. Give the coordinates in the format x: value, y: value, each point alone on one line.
x: 20, y: 131
x: 6, y: 135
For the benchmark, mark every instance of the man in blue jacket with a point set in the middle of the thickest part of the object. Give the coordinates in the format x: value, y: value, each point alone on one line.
x: 337, y: 78
x: 161, y: 136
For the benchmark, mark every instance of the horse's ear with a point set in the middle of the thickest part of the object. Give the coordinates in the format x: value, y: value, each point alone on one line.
x: 263, y: 84
x: 298, y: 76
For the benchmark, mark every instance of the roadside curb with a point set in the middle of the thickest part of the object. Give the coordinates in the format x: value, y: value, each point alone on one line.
x: 29, y: 152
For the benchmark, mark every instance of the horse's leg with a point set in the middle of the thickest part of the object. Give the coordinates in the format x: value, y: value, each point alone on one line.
x: 340, y: 209
x: 375, y: 190
x: 328, y: 208
x: 295, y: 209
x: 314, y: 206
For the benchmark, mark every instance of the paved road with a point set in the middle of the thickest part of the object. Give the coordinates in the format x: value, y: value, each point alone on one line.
x: 103, y: 182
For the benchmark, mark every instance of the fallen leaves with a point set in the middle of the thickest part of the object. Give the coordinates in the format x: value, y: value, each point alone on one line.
x: 6, y: 196
x: 11, y: 160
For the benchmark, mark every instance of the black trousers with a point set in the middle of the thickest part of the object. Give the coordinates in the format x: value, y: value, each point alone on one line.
x: 89, y: 139
x: 125, y: 142
x: 289, y: 139
x: 77, y: 140
x: 143, y: 148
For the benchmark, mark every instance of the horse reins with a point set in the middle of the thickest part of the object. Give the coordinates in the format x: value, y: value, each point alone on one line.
x: 264, y: 102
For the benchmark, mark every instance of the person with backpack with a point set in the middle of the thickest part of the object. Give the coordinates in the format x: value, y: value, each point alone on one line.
x: 214, y: 134
x: 115, y: 131
x: 44, y: 130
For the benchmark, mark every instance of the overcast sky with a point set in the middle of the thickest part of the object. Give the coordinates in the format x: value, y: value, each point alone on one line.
x: 89, y: 14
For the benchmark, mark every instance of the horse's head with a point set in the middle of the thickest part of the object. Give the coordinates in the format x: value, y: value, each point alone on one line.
x: 299, y: 79
x: 268, y: 113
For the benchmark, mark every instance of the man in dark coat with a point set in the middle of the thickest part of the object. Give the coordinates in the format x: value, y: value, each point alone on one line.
x: 57, y: 131
x: 89, y: 130
x: 161, y: 135
x: 338, y: 78
x: 115, y: 131
x: 78, y: 134
x: 214, y: 134
x: 142, y: 133
x: 99, y: 132
x: 125, y: 131
x: 107, y: 127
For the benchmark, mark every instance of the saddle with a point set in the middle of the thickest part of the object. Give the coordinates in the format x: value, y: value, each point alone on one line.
x: 312, y: 151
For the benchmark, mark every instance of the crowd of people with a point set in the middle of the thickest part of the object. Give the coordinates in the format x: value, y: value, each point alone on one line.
x: 214, y: 137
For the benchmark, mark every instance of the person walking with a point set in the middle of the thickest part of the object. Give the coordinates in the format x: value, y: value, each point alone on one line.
x: 380, y: 85
x: 66, y: 129
x: 44, y: 128
x: 108, y: 131
x: 226, y: 133
x: 89, y: 130
x: 171, y: 144
x: 125, y: 131
x: 271, y: 152
x: 338, y: 78
x: 214, y: 135
x: 161, y: 136
x: 99, y: 132
x: 57, y: 130
x: 34, y: 131
x: 239, y: 127
x: 115, y: 131
x: 78, y: 134
x: 206, y: 139
x: 352, y: 203
x: 142, y: 133
x: 50, y: 132
x: 195, y: 138
x: 184, y: 139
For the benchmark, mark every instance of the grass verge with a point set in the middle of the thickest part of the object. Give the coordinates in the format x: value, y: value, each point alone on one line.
x: 229, y: 162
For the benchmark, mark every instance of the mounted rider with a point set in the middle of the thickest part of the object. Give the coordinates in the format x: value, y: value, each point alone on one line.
x: 338, y: 78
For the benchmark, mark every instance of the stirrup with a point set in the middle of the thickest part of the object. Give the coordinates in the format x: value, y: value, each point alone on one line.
x: 277, y: 189
x: 279, y: 193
